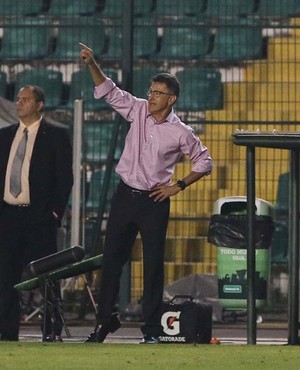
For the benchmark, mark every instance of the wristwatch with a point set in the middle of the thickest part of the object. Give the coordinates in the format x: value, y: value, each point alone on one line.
x: 181, y: 184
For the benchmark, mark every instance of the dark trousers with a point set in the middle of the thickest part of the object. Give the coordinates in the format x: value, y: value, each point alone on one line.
x: 133, y: 212
x: 24, y: 236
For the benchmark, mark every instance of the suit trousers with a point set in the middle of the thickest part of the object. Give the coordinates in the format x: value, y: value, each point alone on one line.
x: 24, y: 236
x: 132, y: 211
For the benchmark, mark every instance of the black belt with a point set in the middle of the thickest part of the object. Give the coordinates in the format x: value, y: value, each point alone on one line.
x: 17, y: 206
x: 134, y: 192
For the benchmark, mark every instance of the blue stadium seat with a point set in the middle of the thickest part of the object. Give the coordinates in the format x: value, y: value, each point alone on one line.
x: 113, y: 8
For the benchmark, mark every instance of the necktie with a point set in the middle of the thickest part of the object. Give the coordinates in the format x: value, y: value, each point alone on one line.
x: 16, y: 169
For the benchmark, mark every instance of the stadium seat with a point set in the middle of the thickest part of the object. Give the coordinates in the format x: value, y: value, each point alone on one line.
x: 89, y: 30
x: 98, y: 136
x: 82, y: 87
x: 282, y: 202
x: 20, y: 7
x: 145, y: 43
x: 60, y: 8
x: 28, y: 39
x: 113, y: 8
x: 178, y: 8
x: 142, y: 80
x: 3, y: 80
x: 278, y: 8
x: 237, y: 40
x: 95, y: 187
x: 50, y: 81
x: 229, y: 8
x: 185, y: 42
x: 202, y: 89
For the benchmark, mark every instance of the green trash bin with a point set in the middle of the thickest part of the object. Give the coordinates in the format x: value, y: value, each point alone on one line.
x: 228, y: 230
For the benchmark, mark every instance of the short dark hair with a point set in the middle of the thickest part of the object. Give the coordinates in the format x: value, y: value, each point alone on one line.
x: 170, y: 80
x: 37, y: 91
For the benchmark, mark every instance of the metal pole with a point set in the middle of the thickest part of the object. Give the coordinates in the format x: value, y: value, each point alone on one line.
x: 77, y: 155
x: 251, y: 265
x: 293, y: 306
x: 127, y: 62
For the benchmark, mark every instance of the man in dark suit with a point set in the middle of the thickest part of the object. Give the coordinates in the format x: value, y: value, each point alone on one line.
x: 29, y: 220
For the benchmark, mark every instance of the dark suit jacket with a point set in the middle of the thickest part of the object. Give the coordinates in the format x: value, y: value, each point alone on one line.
x: 50, y: 173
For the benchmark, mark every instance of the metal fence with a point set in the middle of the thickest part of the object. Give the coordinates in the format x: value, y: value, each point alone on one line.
x: 238, y: 64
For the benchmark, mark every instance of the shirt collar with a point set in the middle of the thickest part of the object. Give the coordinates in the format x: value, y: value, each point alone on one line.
x: 170, y: 118
x: 33, y: 127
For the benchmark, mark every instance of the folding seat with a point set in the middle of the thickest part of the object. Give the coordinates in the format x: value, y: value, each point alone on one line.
x: 82, y: 87
x: 51, y: 82
x: 60, y: 8
x: 237, y: 40
x: 229, y: 8
x: 95, y: 187
x: 98, y: 136
x: 25, y: 40
x: 113, y: 8
x: 185, y: 42
x: 178, y: 8
x: 278, y: 8
x: 142, y: 80
x: 202, y: 89
x: 145, y: 43
x: 71, y: 31
x: 20, y: 7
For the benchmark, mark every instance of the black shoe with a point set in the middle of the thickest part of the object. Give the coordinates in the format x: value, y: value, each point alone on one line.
x: 148, y: 339
x: 101, y: 330
x: 52, y: 338
x: 11, y: 338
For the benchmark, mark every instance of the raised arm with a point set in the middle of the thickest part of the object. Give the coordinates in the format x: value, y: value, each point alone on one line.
x: 87, y: 55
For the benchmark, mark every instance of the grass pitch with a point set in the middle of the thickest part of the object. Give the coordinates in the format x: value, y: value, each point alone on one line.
x: 75, y: 356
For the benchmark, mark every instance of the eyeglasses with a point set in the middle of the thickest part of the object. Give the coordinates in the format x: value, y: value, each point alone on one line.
x: 157, y: 93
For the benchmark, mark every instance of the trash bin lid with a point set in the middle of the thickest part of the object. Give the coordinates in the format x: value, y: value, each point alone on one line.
x: 228, y: 205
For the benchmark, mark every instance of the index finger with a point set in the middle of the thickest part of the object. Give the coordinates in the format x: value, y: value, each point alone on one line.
x: 84, y: 46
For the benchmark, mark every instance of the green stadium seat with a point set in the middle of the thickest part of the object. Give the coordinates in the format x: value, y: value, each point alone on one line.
x: 95, y: 187
x: 145, y: 41
x: 178, y: 8
x: 20, y: 7
x: 60, y: 8
x: 98, y: 136
x: 202, y: 89
x: 282, y: 202
x: 71, y: 31
x: 142, y: 80
x: 229, y: 8
x: 237, y: 40
x: 82, y: 87
x: 3, y: 81
x: 185, y: 42
x: 50, y: 81
x: 26, y: 39
x: 278, y: 8
x: 113, y: 8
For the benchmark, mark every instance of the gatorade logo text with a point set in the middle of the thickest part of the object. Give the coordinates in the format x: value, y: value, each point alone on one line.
x: 170, y: 322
